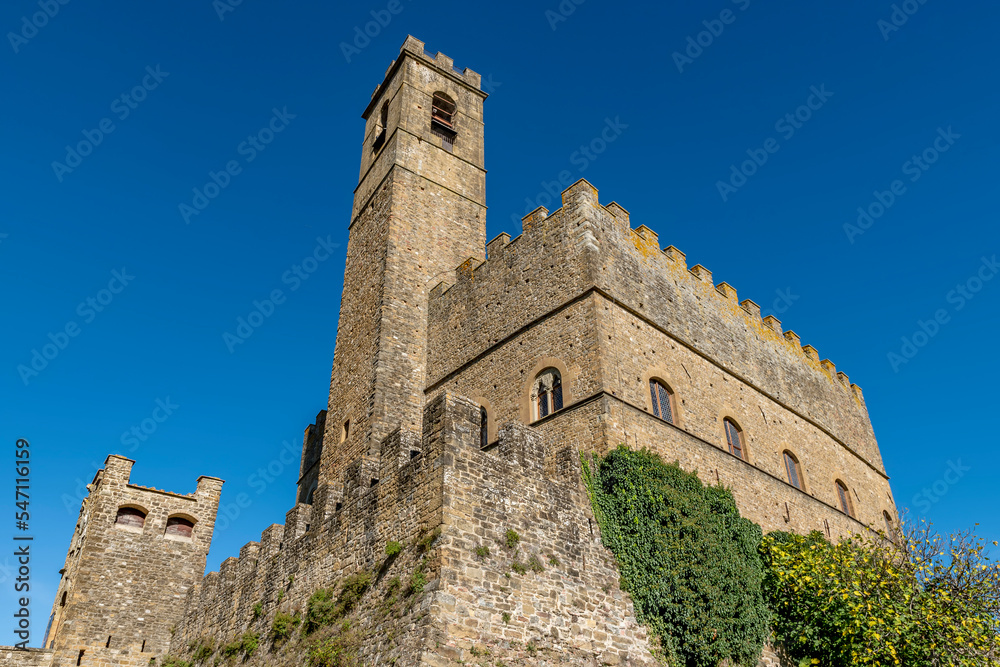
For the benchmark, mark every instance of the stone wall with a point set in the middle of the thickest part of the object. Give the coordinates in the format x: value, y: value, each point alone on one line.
x: 568, y: 606
x: 583, y: 293
x: 11, y: 657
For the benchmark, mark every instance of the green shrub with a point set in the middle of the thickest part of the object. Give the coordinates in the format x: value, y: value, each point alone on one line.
x: 688, y: 559
x: 249, y: 641
x: 518, y: 567
x: 427, y: 540
x: 334, y: 652
x: 283, y: 627
x: 354, y: 587
x: 535, y: 565
x: 917, y: 599
x: 418, y: 580
x: 553, y: 561
x: 232, y: 648
x: 393, y: 549
x: 511, y: 538
x: 258, y: 609
x: 171, y: 661
x: 482, y: 551
x: 506, y: 617
x: 325, y: 609
x: 202, y: 649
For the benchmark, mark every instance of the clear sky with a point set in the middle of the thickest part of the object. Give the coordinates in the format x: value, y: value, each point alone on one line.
x: 902, y: 124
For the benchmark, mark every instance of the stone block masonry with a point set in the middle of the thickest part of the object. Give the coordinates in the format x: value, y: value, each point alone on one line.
x: 134, y: 556
x: 554, y: 588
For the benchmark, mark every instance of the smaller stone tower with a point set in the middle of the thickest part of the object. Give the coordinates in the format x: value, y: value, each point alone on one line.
x: 135, y: 553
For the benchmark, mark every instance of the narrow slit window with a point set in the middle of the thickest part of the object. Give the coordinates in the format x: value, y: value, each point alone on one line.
x: 484, y: 433
x: 734, y: 438
x: 662, y: 401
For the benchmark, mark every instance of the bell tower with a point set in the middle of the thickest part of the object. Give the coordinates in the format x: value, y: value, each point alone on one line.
x: 419, y: 211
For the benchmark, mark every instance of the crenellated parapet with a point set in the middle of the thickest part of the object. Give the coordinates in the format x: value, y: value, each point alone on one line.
x: 587, y: 249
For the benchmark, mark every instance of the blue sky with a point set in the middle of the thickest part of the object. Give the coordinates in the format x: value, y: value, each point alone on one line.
x: 902, y: 126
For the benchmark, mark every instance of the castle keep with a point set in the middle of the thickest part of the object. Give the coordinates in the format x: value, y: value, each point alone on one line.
x: 468, y: 379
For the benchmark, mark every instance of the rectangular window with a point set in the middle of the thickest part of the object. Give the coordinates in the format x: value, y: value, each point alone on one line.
x: 557, y: 398
x: 543, y: 404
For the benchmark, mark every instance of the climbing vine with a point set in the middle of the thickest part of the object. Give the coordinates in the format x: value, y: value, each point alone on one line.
x: 690, y: 562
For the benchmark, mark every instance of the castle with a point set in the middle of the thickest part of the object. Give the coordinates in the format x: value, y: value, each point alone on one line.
x: 468, y: 379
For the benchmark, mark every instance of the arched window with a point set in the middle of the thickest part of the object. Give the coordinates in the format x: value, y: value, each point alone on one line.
x: 734, y: 438
x: 381, y: 130
x: 844, y: 496
x: 889, y: 529
x: 547, y: 393
x: 311, y: 493
x: 130, y: 517
x: 484, y: 431
x: 179, y: 528
x: 443, y: 119
x: 663, y: 401
x: 62, y: 600
x: 794, y: 470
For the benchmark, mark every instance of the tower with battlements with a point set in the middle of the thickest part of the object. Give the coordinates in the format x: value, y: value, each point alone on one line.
x: 419, y: 210
x: 135, y: 554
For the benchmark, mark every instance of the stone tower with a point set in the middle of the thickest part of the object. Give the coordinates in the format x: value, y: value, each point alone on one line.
x: 135, y: 553
x: 419, y: 211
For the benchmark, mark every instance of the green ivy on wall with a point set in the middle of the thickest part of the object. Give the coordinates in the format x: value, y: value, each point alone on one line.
x: 689, y: 560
